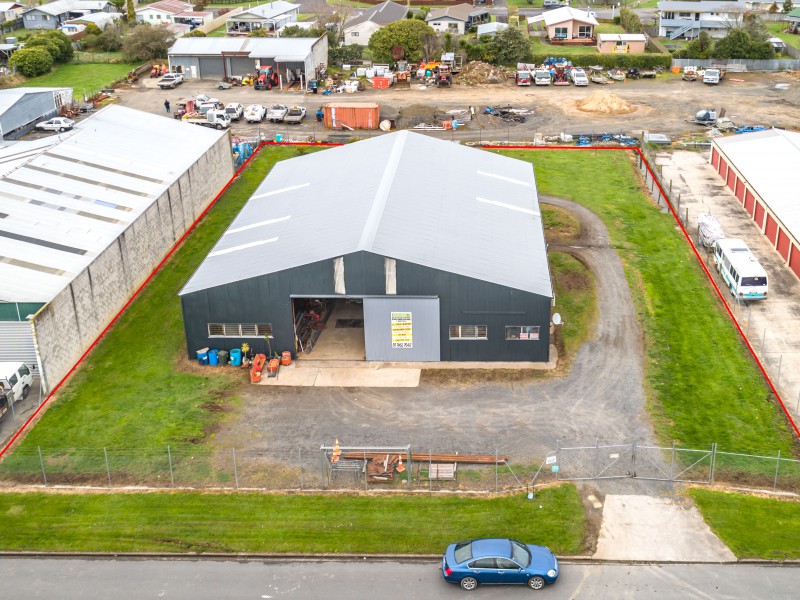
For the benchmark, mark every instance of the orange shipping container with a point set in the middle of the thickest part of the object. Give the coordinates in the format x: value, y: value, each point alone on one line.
x: 355, y: 115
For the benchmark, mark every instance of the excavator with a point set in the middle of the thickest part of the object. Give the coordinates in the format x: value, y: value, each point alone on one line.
x: 266, y: 78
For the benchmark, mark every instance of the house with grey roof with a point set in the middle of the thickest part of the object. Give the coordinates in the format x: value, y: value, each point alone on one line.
x: 270, y: 17
x: 54, y: 14
x: 360, y: 28
x: 397, y: 267
x: 685, y: 20
x: 457, y: 19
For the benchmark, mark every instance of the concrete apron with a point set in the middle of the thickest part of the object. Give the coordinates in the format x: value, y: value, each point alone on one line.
x: 646, y: 528
x: 307, y: 372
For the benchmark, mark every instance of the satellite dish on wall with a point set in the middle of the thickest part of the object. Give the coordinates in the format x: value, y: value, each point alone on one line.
x: 556, y: 319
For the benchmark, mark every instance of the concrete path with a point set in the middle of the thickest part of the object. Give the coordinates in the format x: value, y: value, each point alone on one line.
x: 348, y: 377
x: 645, y: 528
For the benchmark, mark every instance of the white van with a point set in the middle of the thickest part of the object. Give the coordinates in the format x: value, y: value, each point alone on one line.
x: 15, y: 380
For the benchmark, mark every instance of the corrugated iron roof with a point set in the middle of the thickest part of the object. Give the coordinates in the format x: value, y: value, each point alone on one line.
x: 65, y: 198
x: 268, y: 10
x: 768, y: 160
x: 732, y: 6
x: 255, y: 47
x: 10, y: 97
x: 567, y: 13
x: 404, y: 196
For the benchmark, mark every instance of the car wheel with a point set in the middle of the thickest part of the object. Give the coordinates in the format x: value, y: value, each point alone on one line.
x: 536, y: 583
x: 60, y: 129
x: 25, y: 391
x: 469, y: 583
x: 218, y: 126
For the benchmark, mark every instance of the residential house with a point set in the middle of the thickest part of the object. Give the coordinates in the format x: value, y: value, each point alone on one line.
x: 269, y: 17
x: 793, y: 18
x: 457, y: 19
x: 166, y: 12
x: 359, y: 29
x: 568, y: 25
x: 11, y: 11
x: 621, y: 43
x: 685, y: 20
x: 54, y: 14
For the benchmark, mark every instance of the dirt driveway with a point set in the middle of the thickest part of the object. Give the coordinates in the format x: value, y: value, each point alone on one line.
x: 601, y: 398
x: 663, y: 105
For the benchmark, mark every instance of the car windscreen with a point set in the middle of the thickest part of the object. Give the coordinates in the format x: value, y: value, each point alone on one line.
x: 463, y: 552
x: 520, y: 553
x: 757, y: 281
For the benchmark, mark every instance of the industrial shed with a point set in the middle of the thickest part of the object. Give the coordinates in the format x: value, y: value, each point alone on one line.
x: 760, y: 169
x: 441, y: 262
x: 21, y: 108
x: 215, y: 58
x: 84, y: 219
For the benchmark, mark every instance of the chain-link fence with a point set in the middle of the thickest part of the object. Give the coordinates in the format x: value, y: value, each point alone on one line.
x: 391, y: 469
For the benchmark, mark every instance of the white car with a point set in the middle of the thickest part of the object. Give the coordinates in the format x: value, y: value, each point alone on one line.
x: 57, y: 124
x: 170, y: 80
x: 203, y: 99
x: 235, y: 111
x: 579, y: 77
x: 255, y: 113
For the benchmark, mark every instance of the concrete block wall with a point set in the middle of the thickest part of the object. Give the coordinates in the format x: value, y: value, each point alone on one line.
x: 66, y: 326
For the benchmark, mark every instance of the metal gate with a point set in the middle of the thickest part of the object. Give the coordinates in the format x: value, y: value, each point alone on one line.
x: 634, y: 461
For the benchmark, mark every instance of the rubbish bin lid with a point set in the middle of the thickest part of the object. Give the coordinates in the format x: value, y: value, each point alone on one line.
x: 202, y: 350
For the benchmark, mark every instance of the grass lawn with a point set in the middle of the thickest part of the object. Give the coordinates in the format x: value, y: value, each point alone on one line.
x: 221, y: 31
x: 750, y: 526
x: 154, y: 404
x: 193, y: 522
x: 83, y: 77
x: 609, y: 28
x: 776, y: 29
x: 576, y: 301
x: 702, y: 386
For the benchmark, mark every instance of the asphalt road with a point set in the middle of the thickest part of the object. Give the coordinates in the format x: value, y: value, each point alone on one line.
x: 102, y: 579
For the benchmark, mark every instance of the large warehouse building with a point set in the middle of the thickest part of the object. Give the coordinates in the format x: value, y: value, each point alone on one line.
x: 215, y: 58
x: 429, y: 250
x: 22, y: 108
x: 85, y: 216
x: 759, y: 168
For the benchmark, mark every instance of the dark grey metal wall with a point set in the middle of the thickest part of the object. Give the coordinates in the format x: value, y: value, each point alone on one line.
x: 462, y: 301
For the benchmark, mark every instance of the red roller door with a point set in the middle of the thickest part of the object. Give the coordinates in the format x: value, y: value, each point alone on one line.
x: 772, y: 229
x: 731, y: 178
x: 723, y: 167
x: 783, y: 244
x: 749, y: 202
x: 714, y: 158
x: 794, y: 261
x: 740, y: 190
x: 759, y: 215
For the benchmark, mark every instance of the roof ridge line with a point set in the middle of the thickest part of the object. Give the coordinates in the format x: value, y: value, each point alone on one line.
x: 382, y: 193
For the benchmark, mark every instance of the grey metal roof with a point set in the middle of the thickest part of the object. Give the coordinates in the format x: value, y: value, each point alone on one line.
x: 59, y: 7
x: 403, y: 195
x: 254, y: 47
x: 381, y: 14
x: 703, y: 6
x: 65, y: 198
x: 269, y: 10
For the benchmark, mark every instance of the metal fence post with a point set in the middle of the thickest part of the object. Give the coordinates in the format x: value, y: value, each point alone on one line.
x: 594, y: 458
x: 713, y: 460
x: 777, y: 466
x: 633, y: 458
x: 672, y: 462
x: 171, y: 476
x: 430, y: 462
x: 13, y: 414
x: 108, y: 469
x: 366, y: 472
x: 686, y: 218
x: 495, y: 470
x: 780, y: 364
x: 410, y: 467
x: 235, y: 469
x: 558, y: 450
x: 41, y: 460
x: 763, y: 341
x: 747, y: 331
x: 300, y: 462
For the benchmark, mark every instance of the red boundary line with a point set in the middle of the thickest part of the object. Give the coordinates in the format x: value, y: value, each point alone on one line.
x: 328, y: 145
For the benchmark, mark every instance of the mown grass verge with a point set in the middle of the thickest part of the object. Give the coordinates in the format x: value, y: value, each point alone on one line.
x: 82, y: 77
x: 193, y: 522
x: 703, y: 386
x: 751, y: 526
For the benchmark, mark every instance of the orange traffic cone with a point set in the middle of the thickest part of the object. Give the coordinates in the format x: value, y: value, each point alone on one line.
x: 337, y: 452
x: 400, y: 467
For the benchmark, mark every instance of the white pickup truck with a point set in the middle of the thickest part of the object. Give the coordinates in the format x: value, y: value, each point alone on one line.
x: 277, y: 113
x: 170, y: 81
x: 216, y: 118
x: 579, y: 77
x: 713, y: 76
x: 542, y: 77
x: 295, y: 115
x: 235, y: 111
x: 255, y: 113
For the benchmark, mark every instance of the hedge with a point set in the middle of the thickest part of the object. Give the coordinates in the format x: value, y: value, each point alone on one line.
x: 345, y: 54
x: 610, y: 60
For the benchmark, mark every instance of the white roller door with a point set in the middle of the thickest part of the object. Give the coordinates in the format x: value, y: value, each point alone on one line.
x: 16, y: 343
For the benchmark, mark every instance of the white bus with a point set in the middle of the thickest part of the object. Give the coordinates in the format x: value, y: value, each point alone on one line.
x: 743, y: 274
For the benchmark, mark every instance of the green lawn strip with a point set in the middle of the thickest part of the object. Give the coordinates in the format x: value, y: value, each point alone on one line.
x: 194, y: 522
x: 752, y: 527
x: 560, y: 225
x: 128, y: 392
x: 221, y: 31
x: 576, y: 300
x: 82, y: 77
x: 702, y: 385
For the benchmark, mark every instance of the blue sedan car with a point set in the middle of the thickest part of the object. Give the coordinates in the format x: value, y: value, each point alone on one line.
x: 499, y: 561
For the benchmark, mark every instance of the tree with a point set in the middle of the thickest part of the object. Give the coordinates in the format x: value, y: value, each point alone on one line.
x: 295, y: 31
x: 737, y: 44
x: 630, y: 21
x: 56, y: 42
x: 407, y: 34
x: 448, y: 42
x: 111, y: 38
x: 788, y: 6
x: 147, y: 42
x: 195, y: 33
x: 200, y: 5
x: 258, y: 33
x: 508, y: 47
x: 773, y: 8
x: 130, y: 13
x: 92, y: 29
x: 755, y: 28
x: 700, y: 47
x: 31, y: 61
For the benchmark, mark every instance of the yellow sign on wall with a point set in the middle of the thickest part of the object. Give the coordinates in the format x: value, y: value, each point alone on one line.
x: 402, y: 335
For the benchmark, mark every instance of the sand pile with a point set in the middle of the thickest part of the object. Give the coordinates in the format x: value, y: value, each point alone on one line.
x: 603, y: 102
x: 477, y: 73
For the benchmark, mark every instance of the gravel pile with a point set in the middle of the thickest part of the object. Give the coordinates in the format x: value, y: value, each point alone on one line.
x: 477, y: 73
x: 419, y: 114
x: 602, y: 102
